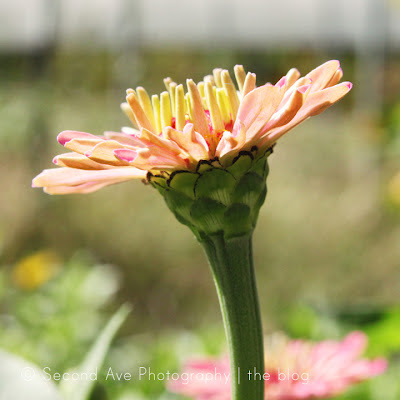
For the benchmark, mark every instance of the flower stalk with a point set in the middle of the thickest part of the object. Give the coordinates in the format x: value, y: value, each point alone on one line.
x: 221, y: 205
x: 231, y: 262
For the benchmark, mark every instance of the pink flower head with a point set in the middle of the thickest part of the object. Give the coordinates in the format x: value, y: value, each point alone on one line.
x: 174, y: 131
x: 294, y: 370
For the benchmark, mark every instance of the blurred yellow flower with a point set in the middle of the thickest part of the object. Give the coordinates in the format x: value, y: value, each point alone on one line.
x: 35, y: 270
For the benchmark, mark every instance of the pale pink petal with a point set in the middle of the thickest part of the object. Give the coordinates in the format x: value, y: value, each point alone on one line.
x: 254, y: 112
x: 189, y: 141
x: 292, y: 76
x: 322, y: 75
x: 104, y: 153
x: 130, y: 131
x: 315, y: 104
x: 75, y: 160
x: 155, y: 140
x: 336, y: 78
x: 256, y: 109
x: 78, y: 189
x: 73, y: 181
x: 292, y: 106
x: 72, y: 177
x: 83, y: 145
x: 151, y: 158
x: 124, y: 138
x: 126, y: 154
x: 65, y: 136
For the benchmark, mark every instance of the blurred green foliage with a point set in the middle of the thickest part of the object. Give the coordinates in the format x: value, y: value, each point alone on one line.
x: 54, y: 325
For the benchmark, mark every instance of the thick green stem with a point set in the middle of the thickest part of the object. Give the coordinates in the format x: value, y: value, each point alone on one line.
x: 231, y: 262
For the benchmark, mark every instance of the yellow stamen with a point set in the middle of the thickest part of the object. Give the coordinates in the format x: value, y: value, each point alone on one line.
x: 209, y: 78
x: 215, y: 113
x: 200, y: 86
x: 180, y: 108
x: 199, y: 117
x: 165, y: 110
x: 172, y: 88
x: 230, y: 92
x: 222, y: 101
x: 217, y: 76
x: 167, y: 82
x: 188, y: 106
x: 145, y: 102
x: 129, y: 113
x: 157, y: 114
x: 140, y: 115
x: 249, y: 83
x: 240, y: 76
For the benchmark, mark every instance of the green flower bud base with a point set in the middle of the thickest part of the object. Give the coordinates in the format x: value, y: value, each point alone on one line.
x: 220, y: 204
x: 214, y: 199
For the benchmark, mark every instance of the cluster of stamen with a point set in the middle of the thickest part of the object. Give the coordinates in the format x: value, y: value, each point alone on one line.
x: 211, y: 105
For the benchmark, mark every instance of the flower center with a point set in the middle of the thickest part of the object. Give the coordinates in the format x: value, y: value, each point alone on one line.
x: 211, y: 105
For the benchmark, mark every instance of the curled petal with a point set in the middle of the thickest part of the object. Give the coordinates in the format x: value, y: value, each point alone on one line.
x: 323, y: 74
x: 292, y: 106
x: 104, y: 153
x: 292, y: 76
x: 155, y: 140
x: 190, y: 141
x: 336, y: 78
x: 315, y: 104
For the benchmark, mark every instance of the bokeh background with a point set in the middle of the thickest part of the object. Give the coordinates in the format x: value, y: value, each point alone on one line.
x: 327, y: 244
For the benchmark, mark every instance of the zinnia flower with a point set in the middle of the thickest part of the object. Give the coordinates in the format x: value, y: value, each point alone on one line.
x: 206, y: 152
x: 295, y: 370
x: 176, y: 131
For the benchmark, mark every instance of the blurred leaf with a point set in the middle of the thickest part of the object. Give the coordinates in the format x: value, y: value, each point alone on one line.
x: 384, y: 335
x: 80, y: 389
x: 21, y: 380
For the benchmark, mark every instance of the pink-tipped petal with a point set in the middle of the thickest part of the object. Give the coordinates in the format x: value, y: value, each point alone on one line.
x: 104, y: 153
x: 126, y: 154
x: 281, y: 83
x: 303, y: 89
x: 66, y: 136
x: 315, y: 103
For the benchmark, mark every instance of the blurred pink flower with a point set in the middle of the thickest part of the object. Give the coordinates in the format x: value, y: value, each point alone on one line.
x: 295, y: 370
x: 174, y: 131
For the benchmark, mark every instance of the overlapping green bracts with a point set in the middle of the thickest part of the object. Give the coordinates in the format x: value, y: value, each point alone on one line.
x: 216, y: 199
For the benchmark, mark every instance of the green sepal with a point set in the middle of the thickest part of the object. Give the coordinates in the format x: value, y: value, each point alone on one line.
x: 216, y: 184
x: 215, y: 199
x: 208, y: 215
x: 183, y: 182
